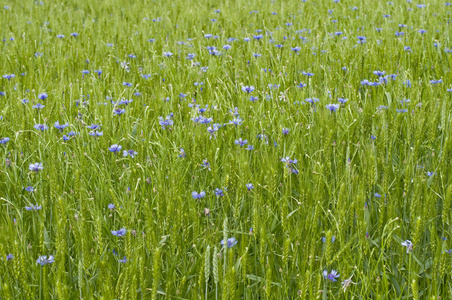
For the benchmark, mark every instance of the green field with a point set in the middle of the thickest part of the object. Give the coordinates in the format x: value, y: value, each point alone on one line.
x: 225, y: 149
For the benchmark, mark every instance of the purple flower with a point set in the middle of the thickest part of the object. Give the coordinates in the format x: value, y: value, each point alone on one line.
x: 248, y: 89
x: 115, y: 148
x: 241, y: 142
x: 41, y: 127
x: 43, y: 260
x: 331, y: 276
x: 93, y: 126
x: 33, y: 207
x: 132, y: 153
x: 4, y: 140
x: 249, y: 186
x: 124, y: 260
x: 120, y: 232
x: 111, y: 206
x: 119, y: 111
x: 9, y: 257
x: 332, y: 107
x: 35, y: 167
x: 42, y: 96
x: 60, y: 127
x: 409, y: 245
x: 231, y: 242
x: 197, y: 195
x: 219, y: 192
x: 29, y: 189
x: 167, y: 54
x: 38, y: 106
x: 165, y: 122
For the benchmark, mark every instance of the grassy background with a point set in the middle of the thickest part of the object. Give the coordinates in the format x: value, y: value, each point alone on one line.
x: 172, y: 246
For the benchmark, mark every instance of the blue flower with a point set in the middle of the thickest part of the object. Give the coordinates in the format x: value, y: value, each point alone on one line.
x: 167, y: 54
x: 377, y: 195
x: 248, y: 89
x: 124, y: 260
x: 9, y: 76
x: 35, y: 167
x: 43, y: 260
x: 342, y: 100
x: 111, y: 206
x: 372, y: 137
x: 9, y: 257
x: 33, y: 207
x: 165, y: 122
x: 115, y: 148
x: 120, y: 232
x: 331, y: 276
x: 127, y: 84
x: 38, y: 106
x: 4, y: 140
x: 197, y: 195
x: 285, y: 131
x: 332, y: 107
x: 241, y: 142
x: 231, y: 242
x: 60, y: 127
x: 219, y: 192
x: 409, y: 245
x: 29, y: 189
x: 249, y: 186
x: 132, y: 153
x: 119, y: 111
x: 42, y: 96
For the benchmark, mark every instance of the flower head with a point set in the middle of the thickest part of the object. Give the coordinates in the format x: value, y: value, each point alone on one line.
x: 120, y: 232
x: 231, y: 242
x: 43, y: 260
x: 409, y: 245
x: 35, y: 167
x: 115, y: 148
x: 331, y: 276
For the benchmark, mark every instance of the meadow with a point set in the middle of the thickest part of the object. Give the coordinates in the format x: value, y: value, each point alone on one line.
x: 235, y: 149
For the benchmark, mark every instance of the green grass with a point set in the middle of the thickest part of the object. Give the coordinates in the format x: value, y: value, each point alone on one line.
x: 172, y: 244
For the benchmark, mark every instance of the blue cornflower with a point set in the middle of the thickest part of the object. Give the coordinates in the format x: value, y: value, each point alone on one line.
x: 331, y: 276
x: 74, y: 34
x: 9, y: 76
x: 431, y: 174
x: 120, y: 232
x: 127, y: 84
x: 213, y: 129
x: 377, y: 195
x: 167, y: 54
x: 124, y: 260
x: 241, y: 142
x: 29, y: 189
x: 285, y: 131
x: 332, y: 107
x: 342, y: 100
x: 436, y: 81
x: 42, y: 96
x: 248, y: 89
x: 307, y: 74
x: 409, y: 245
x: 236, y: 121
x: 361, y: 39
x: 379, y: 73
x: 115, y: 148
x: 295, y: 49
x: 165, y: 122
x: 249, y: 186
x: 182, y: 153
x: 250, y: 148
x: 35, y: 167
x: 132, y: 153
x: 33, y: 207
x: 38, y: 106
x: 404, y: 110
x: 9, y: 257
x: 197, y: 195
x: 60, y: 127
x: 231, y: 242
x: 191, y: 56
x: 311, y: 100
x: 119, y: 111
x: 4, y: 140
x: 85, y: 72
x: 333, y: 239
x: 372, y: 137
x: 301, y: 85
x: 98, y: 72
x: 111, y: 206
x: 219, y: 192
x: 43, y: 260
x: 407, y: 48
x: 93, y: 126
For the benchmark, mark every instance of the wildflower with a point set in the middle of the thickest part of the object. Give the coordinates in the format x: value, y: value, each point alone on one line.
x: 249, y: 186
x: 43, y: 260
x: 377, y: 195
x: 42, y: 96
x: 33, y: 207
x: 115, y: 148
x: 372, y: 137
x: 331, y: 276
x: 361, y: 39
x: 9, y: 76
x: 35, y: 167
x: 308, y: 74
x: 311, y: 100
x: 249, y: 148
x: 241, y: 142
x: 29, y: 189
x: 60, y: 127
x: 4, y: 140
x: 236, y: 121
x: 332, y: 107
x: 346, y: 283
x: 9, y: 257
x: 182, y: 153
x: 120, y: 232
x: 165, y: 122
x: 430, y: 173
x: 285, y: 131
x: 197, y: 195
x: 231, y: 242
x: 248, y: 89
x: 111, y: 206
x: 128, y: 84
x: 93, y: 126
x: 132, y: 153
x: 409, y: 245
x: 119, y: 111
x: 342, y: 100
x: 436, y: 81
x: 124, y: 260
x: 39, y: 106
x: 205, y: 164
x: 219, y: 192
x: 167, y: 54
